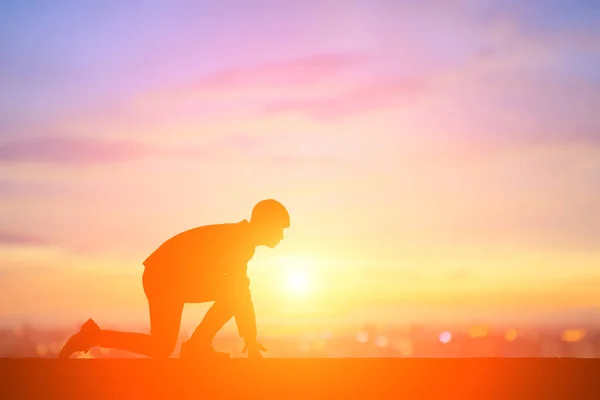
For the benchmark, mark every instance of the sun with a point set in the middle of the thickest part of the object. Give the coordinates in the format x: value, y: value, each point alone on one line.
x: 296, y: 275
x: 298, y: 282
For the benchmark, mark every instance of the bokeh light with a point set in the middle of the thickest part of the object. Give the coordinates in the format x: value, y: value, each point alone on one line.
x: 445, y: 337
x: 573, y: 335
x: 381, y: 341
x: 478, y: 331
x: 510, y: 335
x: 362, y: 337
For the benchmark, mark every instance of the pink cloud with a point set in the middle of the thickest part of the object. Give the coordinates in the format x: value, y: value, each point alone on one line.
x: 70, y: 150
x: 75, y: 151
x: 258, y: 149
x: 12, y: 239
x: 295, y: 72
x: 81, y: 151
x: 364, y: 98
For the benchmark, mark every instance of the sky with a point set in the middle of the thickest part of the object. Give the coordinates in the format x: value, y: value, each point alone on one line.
x: 436, y: 156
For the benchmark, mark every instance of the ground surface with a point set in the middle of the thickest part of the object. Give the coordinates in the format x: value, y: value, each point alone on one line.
x: 300, y: 378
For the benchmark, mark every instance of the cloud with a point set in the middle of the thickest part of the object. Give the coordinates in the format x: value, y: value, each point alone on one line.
x: 8, y: 238
x: 276, y: 151
x: 74, y: 151
x: 295, y: 72
x: 70, y: 150
x: 83, y: 151
x: 14, y: 188
x: 238, y: 142
x: 240, y: 89
x: 377, y: 95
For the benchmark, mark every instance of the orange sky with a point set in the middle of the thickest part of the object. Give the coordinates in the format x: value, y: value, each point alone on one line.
x: 430, y: 156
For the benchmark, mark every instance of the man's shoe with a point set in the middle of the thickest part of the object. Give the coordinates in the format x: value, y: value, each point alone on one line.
x: 191, y: 351
x: 81, y: 341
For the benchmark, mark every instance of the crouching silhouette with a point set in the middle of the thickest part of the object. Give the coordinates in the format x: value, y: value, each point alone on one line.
x: 203, y: 264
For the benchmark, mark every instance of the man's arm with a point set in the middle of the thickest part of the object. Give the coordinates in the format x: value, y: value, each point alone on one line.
x: 244, y: 314
x: 246, y: 321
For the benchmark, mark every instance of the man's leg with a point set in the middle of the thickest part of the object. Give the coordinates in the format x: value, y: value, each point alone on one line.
x: 165, y: 321
x: 215, y: 318
x: 200, y: 343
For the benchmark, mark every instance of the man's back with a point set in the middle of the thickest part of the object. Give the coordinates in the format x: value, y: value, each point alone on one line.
x: 208, y: 250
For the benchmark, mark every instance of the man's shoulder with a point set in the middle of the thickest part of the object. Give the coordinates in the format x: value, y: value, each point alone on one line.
x: 206, y: 239
x: 222, y: 232
x: 220, y: 228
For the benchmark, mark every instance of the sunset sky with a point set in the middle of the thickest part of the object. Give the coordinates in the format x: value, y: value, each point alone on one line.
x: 435, y: 156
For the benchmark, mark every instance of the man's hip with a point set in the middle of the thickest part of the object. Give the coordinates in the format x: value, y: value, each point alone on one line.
x: 189, y: 288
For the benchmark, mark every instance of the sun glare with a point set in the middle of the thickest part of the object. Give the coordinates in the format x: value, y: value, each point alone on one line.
x: 298, y: 282
x: 297, y: 277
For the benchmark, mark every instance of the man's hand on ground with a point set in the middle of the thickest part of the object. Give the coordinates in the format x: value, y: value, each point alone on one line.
x: 254, y: 348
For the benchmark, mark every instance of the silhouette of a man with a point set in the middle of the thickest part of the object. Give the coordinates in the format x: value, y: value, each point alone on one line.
x: 206, y: 263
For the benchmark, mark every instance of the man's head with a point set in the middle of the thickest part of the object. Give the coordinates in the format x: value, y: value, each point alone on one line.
x: 269, y: 219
